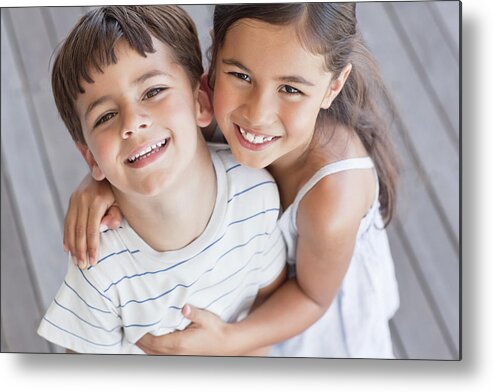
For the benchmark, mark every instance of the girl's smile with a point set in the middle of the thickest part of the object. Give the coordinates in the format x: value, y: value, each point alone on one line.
x: 268, y: 91
x: 253, y: 140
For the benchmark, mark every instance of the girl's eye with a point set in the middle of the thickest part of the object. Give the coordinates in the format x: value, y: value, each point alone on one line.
x: 104, y: 118
x: 241, y: 76
x: 290, y: 90
x: 153, y: 92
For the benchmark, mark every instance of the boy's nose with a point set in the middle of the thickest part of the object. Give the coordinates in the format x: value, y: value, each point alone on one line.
x: 134, y: 120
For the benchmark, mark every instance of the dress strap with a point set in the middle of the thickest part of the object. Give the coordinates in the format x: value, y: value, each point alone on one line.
x: 332, y: 168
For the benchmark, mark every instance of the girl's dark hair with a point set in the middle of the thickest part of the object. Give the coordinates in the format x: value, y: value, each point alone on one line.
x: 364, y: 104
x: 90, y: 47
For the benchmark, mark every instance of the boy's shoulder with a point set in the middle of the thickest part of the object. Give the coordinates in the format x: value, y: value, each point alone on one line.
x: 243, y: 188
x: 233, y: 168
x: 116, y: 255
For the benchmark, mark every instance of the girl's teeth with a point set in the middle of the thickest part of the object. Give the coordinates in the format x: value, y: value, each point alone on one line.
x: 255, y: 139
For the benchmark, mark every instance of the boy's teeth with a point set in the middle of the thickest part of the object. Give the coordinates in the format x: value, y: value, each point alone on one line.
x: 255, y: 139
x: 149, y: 150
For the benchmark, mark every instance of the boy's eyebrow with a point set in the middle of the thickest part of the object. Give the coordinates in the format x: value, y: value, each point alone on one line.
x: 150, y: 74
x: 95, y: 103
x: 138, y: 80
x: 286, y: 79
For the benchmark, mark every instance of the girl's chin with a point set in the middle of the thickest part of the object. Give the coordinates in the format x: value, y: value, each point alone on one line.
x: 252, y: 160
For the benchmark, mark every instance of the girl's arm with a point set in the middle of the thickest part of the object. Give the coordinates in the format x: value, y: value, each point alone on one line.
x: 204, y: 326
x: 328, y: 220
x: 90, y: 207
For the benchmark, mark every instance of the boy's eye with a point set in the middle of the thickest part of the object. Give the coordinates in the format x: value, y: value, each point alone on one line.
x: 153, y: 92
x: 241, y: 76
x: 104, y: 118
x: 290, y: 90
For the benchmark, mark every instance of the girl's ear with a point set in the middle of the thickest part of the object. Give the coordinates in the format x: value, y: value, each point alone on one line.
x: 96, y: 172
x: 336, y: 86
x: 204, y: 103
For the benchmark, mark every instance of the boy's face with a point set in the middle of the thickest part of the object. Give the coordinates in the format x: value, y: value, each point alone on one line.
x: 140, y: 120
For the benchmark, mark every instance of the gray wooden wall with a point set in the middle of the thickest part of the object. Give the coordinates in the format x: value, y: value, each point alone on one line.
x: 417, y: 46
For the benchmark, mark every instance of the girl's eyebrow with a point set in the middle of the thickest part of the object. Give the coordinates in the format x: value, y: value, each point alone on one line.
x: 236, y: 63
x: 295, y: 79
x: 285, y: 79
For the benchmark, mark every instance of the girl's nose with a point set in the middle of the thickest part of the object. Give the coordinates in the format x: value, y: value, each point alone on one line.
x: 260, y: 109
x: 134, y: 119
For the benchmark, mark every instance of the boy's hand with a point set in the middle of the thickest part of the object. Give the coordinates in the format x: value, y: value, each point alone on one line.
x: 90, y: 208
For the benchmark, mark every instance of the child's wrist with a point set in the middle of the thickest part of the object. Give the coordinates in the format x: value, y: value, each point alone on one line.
x: 237, y: 340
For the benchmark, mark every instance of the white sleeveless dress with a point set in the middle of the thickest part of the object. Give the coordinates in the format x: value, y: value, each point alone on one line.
x: 356, y: 323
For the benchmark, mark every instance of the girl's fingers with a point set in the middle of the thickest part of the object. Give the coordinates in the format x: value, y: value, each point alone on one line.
x: 113, y: 217
x: 96, y: 214
x: 80, y: 233
x: 196, y: 315
x: 69, y: 228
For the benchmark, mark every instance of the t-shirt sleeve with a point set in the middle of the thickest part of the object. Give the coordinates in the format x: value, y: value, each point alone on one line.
x: 81, y: 317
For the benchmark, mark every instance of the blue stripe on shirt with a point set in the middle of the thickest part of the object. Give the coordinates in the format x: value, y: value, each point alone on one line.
x: 227, y: 277
x: 198, y: 278
x: 115, y: 254
x: 82, y: 338
x: 232, y: 167
x: 255, y: 215
x: 126, y: 277
x: 223, y: 295
x: 94, y: 287
x: 259, y: 268
x: 250, y: 188
x: 83, y: 320
x: 85, y: 302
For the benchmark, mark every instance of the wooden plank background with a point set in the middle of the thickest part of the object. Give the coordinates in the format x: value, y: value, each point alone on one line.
x: 417, y: 47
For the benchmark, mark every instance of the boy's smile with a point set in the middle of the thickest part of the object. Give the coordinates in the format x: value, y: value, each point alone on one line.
x: 147, y: 154
x: 140, y: 121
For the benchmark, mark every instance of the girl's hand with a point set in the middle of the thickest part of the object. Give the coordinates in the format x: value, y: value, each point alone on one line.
x: 206, y: 335
x: 90, y: 208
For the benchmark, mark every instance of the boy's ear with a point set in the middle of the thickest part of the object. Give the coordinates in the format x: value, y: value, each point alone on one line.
x: 204, y: 103
x: 336, y: 86
x: 204, y: 84
x: 96, y: 172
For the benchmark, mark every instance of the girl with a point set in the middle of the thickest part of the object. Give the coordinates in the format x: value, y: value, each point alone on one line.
x: 296, y: 91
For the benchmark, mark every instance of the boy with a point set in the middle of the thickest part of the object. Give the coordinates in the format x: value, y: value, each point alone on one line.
x: 198, y: 227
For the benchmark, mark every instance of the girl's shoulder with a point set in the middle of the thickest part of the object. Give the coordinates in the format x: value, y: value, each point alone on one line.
x: 335, y: 205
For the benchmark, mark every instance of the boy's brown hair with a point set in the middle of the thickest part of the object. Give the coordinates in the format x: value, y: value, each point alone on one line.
x: 90, y: 47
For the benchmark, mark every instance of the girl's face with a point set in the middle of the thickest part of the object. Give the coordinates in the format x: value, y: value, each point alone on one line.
x: 268, y: 92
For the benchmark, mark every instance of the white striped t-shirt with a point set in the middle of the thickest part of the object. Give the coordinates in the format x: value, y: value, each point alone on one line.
x: 134, y: 290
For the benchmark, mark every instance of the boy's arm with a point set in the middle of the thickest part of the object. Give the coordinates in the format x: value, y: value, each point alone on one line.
x: 80, y: 318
